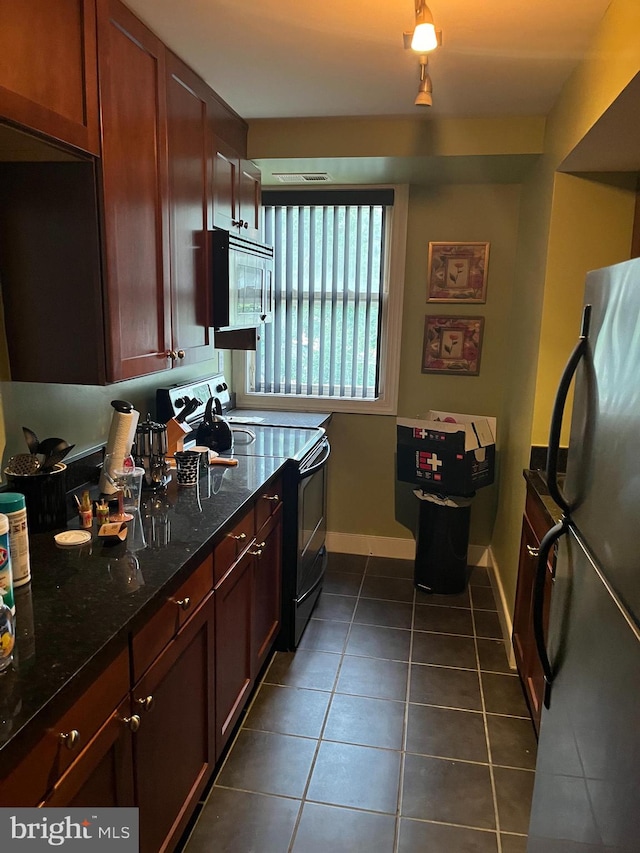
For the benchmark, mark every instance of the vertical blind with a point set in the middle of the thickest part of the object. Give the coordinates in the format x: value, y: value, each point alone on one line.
x: 324, y: 338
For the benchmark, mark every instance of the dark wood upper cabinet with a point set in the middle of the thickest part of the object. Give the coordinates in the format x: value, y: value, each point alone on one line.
x: 236, y: 188
x: 134, y: 177
x: 48, y: 79
x: 189, y: 158
x: 112, y: 250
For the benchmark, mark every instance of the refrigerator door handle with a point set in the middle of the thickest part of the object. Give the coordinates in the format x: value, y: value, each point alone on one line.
x: 548, y: 541
x: 558, y: 411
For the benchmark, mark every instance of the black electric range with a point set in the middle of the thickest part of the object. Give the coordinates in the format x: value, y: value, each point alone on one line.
x: 304, y: 478
x: 264, y: 434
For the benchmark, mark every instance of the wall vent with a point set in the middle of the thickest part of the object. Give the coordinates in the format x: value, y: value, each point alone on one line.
x: 302, y: 177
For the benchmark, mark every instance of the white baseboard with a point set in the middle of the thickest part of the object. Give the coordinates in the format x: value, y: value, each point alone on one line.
x: 504, y: 613
x: 388, y: 546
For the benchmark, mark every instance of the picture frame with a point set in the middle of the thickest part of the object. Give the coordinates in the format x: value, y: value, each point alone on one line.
x: 457, y: 272
x: 452, y: 345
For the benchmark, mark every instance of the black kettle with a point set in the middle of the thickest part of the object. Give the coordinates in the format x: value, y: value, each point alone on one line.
x: 214, y: 432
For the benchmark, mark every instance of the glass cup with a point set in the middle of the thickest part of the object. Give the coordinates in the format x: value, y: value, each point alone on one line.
x: 133, y: 490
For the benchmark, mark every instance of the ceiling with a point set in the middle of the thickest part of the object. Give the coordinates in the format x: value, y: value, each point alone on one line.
x: 287, y: 58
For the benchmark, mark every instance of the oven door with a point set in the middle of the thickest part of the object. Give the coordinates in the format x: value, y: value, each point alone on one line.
x: 312, y: 521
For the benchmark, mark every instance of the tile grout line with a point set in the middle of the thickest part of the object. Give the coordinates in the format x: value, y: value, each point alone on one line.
x: 405, y: 727
x: 486, y: 727
x: 305, y: 791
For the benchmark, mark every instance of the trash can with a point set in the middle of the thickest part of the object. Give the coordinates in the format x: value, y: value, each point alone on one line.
x: 442, y: 542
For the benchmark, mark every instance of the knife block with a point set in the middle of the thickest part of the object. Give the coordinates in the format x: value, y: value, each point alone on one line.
x: 175, y: 436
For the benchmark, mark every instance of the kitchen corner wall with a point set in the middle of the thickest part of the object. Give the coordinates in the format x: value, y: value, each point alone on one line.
x: 364, y: 496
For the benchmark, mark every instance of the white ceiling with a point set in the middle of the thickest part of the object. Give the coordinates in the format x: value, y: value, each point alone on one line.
x: 287, y: 58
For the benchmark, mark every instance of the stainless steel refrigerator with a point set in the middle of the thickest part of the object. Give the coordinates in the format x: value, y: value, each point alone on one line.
x: 587, y: 787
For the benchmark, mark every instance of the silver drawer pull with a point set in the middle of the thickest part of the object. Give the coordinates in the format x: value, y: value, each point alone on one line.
x: 257, y: 553
x: 146, y: 703
x: 183, y: 603
x: 271, y: 497
x: 240, y: 537
x: 133, y: 722
x: 532, y: 552
x: 70, y: 739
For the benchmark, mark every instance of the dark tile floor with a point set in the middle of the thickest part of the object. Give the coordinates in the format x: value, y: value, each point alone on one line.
x: 396, y: 727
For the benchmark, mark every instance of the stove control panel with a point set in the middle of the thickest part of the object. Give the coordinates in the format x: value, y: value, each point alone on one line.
x: 187, y: 403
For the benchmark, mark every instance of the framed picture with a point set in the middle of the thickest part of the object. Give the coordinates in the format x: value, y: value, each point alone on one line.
x: 457, y: 272
x: 452, y: 345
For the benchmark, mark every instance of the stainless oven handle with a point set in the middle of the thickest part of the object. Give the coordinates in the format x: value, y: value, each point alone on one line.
x: 310, y: 591
x: 309, y: 472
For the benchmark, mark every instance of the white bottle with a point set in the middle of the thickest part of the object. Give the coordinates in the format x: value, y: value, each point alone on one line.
x: 12, y: 504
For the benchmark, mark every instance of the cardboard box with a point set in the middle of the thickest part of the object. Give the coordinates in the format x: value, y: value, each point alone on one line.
x: 448, y: 453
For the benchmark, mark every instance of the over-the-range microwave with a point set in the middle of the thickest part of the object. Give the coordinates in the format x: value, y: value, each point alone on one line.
x: 242, y: 281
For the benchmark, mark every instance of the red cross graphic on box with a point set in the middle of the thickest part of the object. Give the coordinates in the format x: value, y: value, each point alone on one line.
x: 429, y: 461
x: 420, y: 433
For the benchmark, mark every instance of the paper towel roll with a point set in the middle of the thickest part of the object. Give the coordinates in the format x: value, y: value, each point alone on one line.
x: 121, y: 437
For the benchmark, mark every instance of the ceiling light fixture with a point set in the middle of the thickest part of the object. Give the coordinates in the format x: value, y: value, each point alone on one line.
x: 425, y: 90
x: 423, y: 40
x: 424, y: 36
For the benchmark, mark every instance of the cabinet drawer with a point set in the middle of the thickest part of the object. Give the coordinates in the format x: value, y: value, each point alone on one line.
x: 165, y: 624
x: 63, y: 742
x: 232, y: 545
x: 102, y: 775
x: 268, y: 503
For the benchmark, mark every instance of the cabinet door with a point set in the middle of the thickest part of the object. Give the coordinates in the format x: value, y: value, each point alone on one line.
x: 174, y: 746
x: 102, y: 775
x: 524, y: 644
x: 189, y: 179
x: 250, y: 196
x: 233, y: 646
x: 48, y: 77
x: 67, y: 738
x: 267, y: 588
x: 225, y: 188
x: 132, y: 91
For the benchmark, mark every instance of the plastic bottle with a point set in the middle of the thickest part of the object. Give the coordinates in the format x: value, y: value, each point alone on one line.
x: 6, y: 577
x: 13, y: 505
x: 7, y: 636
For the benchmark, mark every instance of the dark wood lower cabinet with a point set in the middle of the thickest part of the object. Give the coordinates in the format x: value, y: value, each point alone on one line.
x: 234, y: 670
x: 174, y: 747
x: 102, y: 776
x: 193, y: 665
x: 267, y: 588
x: 534, y: 526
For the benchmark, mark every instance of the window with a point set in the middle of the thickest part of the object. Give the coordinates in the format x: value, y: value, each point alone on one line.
x: 333, y: 340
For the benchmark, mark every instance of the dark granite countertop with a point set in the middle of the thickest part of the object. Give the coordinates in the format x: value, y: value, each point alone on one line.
x: 85, y: 604
x: 537, y: 480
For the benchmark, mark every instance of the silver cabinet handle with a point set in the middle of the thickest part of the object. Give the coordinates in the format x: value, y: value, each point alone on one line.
x: 183, y: 603
x: 133, y: 722
x: 271, y: 497
x: 70, y: 739
x: 240, y: 537
x: 533, y: 552
x: 146, y: 703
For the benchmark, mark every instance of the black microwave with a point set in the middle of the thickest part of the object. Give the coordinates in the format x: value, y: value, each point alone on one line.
x: 242, y: 281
